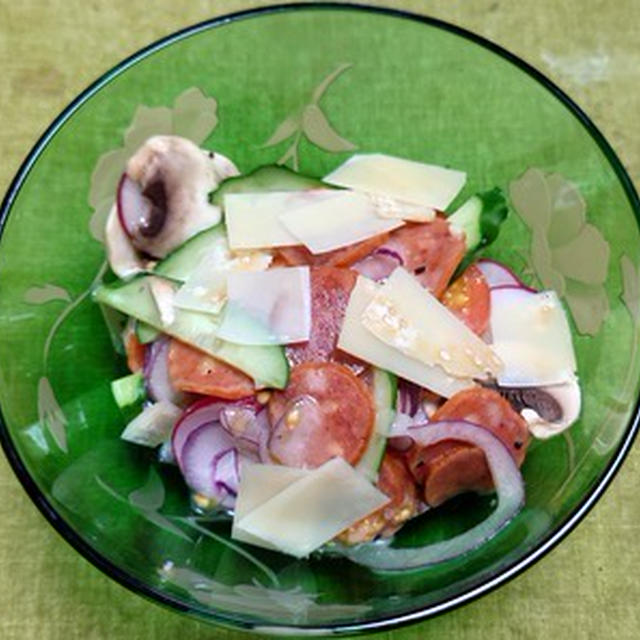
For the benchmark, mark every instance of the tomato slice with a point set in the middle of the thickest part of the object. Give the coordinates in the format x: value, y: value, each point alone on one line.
x: 343, y: 257
x: 469, y: 298
x: 134, y: 350
x: 430, y: 251
x: 324, y: 411
x: 193, y: 371
x: 395, y: 481
x: 451, y: 467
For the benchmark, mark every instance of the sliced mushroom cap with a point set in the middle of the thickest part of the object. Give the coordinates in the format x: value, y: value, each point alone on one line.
x: 122, y: 256
x: 163, y: 199
x: 548, y: 410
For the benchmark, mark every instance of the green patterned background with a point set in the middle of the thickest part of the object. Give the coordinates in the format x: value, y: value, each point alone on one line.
x: 586, y: 588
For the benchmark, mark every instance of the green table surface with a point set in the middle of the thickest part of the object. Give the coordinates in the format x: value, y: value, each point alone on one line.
x: 587, y: 587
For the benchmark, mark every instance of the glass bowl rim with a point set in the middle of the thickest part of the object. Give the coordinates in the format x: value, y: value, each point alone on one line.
x: 545, y: 545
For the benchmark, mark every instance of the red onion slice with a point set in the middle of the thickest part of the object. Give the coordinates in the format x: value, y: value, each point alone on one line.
x: 200, y: 460
x: 208, y: 452
x: 201, y: 412
x: 379, y: 264
x: 227, y: 473
x: 409, y: 395
x: 156, y: 373
x: 399, y: 437
x: 290, y: 436
x: 509, y: 487
x: 133, y: 208
x: 250, y: 429
x: 498, y: 274
x: 514, y: 287
x: 389, y: 252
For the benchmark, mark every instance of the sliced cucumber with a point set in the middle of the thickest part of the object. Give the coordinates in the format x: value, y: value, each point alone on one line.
x: 480, y: 218
x: 128, y: 390
x: 145, y: 332
x: 467, y: 220
x: 179, y: 264
x: 267, y: 365
x: 263, y: 180
x: 385, y: 391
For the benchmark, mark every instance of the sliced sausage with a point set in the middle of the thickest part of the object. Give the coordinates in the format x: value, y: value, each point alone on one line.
x: 330, y: 291
x: 324, y: 411
x: 196, y: 372
x: 451, y: 467
x: 395, y: 481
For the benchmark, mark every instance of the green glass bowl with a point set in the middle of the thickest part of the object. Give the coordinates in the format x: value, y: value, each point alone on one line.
x: 305, y: 85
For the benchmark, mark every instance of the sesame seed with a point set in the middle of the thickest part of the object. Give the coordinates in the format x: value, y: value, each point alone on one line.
x: 263, y: 397
x: 292, y: 419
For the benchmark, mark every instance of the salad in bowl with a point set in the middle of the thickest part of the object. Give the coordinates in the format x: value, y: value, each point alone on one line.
x: 325, y: 359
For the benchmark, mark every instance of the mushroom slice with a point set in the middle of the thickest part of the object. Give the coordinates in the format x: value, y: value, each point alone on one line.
x: 548, y: 410
x: 123, y: 258
x: 163, y: 198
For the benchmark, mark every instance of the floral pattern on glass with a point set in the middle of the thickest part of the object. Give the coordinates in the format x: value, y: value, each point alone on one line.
x: 310, y: 122
x: 567, y: 253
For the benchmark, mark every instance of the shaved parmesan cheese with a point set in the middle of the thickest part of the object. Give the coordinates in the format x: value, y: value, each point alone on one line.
x: 422, y: 184
x: 253, y: 219
x: 338, y: 219
x: 313, y: 510
x: 360, y: 342
x: 532, y: 337
x: 258, y: 484
x: 407, y: 317
x: 205, y: 290
x: 267, y: 307
x: 153, y: 426
x: 250, y: 261
x: 206, y: 287
x: 390, y: 208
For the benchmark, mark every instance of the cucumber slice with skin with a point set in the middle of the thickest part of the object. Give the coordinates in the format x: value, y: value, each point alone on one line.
x: 480, y: 219
x: 145, y: 332
x: 179, y: 264
x: 128, y: 390
x: 267, y: 365
x: 467, y: 220
x: 385, y: 391
x: 264, y: 180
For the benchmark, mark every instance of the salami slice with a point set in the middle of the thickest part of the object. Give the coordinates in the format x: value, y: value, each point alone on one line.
x: 330, y: 291
x: 325, y: 411
x: 430, y: 251
x: 196, y: 372
x: 395, y: 481
x: 449, y: 468
x: 343, y: 257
